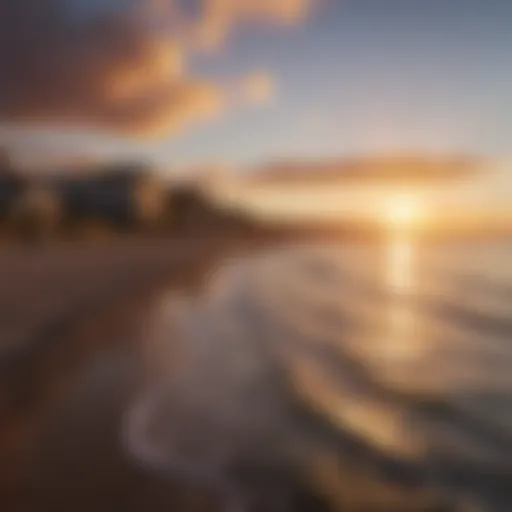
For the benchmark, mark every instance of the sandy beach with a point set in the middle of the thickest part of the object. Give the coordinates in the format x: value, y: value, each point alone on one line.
x: 68, y: 317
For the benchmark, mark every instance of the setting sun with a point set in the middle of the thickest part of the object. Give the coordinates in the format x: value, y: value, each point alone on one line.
x: 404, y: 211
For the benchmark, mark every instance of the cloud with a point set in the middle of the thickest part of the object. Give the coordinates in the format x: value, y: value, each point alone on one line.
x: 122, y: 65
x: 258, y: 88
x: 219, y: 16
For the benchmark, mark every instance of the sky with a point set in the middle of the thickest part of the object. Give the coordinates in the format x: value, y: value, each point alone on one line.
x: 348, y: 76
x: 371, y: 75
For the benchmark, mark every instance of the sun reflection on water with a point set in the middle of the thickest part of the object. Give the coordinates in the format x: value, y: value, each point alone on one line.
x: 400, y: 279
x: 400, y: 264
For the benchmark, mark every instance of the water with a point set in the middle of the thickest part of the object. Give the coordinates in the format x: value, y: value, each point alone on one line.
x: 403, y: 348
x: 445, y: 303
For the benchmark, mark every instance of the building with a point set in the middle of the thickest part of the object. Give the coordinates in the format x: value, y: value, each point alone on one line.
x: 123, y: 196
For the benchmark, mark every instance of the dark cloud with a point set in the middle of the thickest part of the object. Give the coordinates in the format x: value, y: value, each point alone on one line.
x: 121, y: 68
x: 114, y: 69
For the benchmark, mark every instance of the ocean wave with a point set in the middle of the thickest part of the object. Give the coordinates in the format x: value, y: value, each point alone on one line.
x: 292, y: 357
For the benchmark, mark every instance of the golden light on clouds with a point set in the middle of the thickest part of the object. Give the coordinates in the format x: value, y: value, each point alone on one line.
x: 258, y: 88
x: 161, y: 64
x: 219, y: 16
x: 127, y: 71
x: 165, y: 60
x: 188, y: 105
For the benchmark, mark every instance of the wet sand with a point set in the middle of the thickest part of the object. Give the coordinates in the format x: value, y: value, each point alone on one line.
x: 69, y: 316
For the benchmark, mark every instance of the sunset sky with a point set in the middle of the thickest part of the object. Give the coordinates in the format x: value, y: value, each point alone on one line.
x: 374, y: 75
x: 290, y: 81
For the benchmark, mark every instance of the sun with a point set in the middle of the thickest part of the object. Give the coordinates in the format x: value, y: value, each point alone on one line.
x: 404, y: 211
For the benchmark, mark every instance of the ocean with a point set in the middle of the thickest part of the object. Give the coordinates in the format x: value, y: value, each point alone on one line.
x: 398, y: 354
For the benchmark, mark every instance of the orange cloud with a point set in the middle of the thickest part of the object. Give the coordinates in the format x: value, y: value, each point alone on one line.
x: 219, y: 16
x: 122, y: 70
x: 187, y: 104
x: 258, y: 88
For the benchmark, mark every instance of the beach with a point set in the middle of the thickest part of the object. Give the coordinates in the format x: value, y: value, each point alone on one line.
x: 70, y: 358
